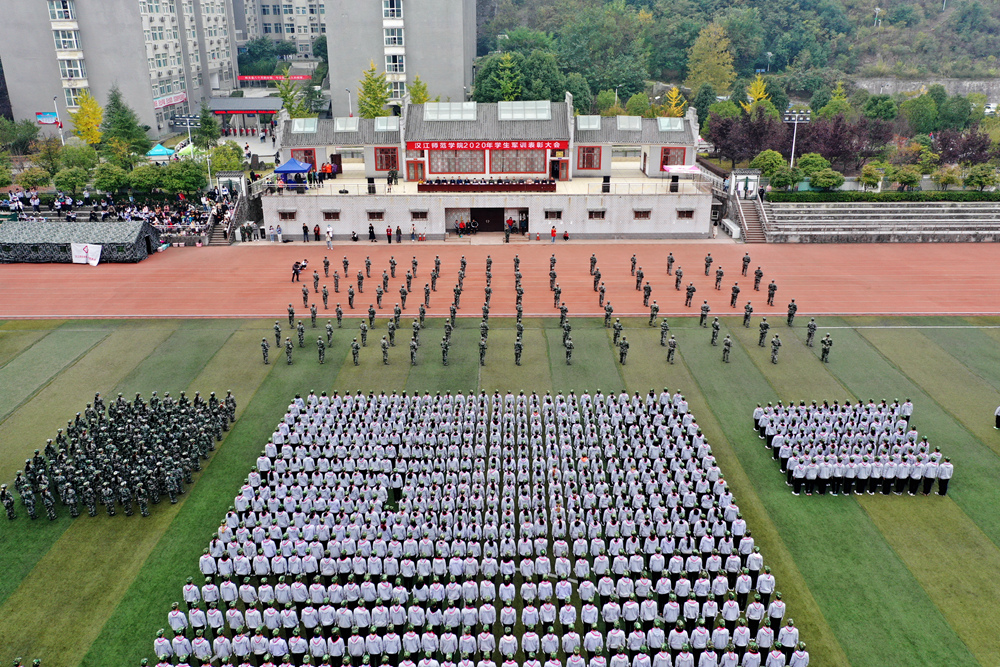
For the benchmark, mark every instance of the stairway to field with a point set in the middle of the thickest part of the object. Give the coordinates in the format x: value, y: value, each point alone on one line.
x: 754, y: 232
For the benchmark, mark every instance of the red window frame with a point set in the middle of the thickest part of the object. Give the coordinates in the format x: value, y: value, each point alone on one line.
x: 665, y: 153
x: 430, y: 161
x: 596, y: 153
x: 386, y: 158
x: 494, y: 153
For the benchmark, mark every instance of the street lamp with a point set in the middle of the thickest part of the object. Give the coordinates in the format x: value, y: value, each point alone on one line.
x: 769, y: 56
x: 616, y: 92
x: 55, y: 104
x: 878, y: 10
x: 350, y: 109
x: 796, y: 117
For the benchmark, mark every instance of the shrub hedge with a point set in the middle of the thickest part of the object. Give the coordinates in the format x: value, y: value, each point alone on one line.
x: 859, y: 196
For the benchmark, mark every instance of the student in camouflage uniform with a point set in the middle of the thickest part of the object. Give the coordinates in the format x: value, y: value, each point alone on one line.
x: 326, y: 298
x: 321, y: 348
x: 664, y: 330
x: 827, y: 343
x: 735, y: 294
x: 413, y: 352
x: 771, y: 289
x: 264, y: 348
x: 391, y: 330
x: 355, y: 349
x: 647, y: 290
x: 715, y: 331
x: 312, y: 315
x: 326, y: 266
x: 371, y: 316
x: 385, y: 280
x: 291, y: 315
x: 361, y: 283
x: 379, y: 292
x: 413, y: 264
x: 705, y: 309
x: 336, y: 282
x: 556, y: 295
x: 747, y: 312
x: 639, y: 275
x: 340, y: 315
x: 764, y: 327
x: 316, y: 281
x: 301, y: 331
x: 617, y: 329
x: 593, y: 263
x: 409, y: 281
x: 654, y: 310
x: 671, y: 349
x: 792, y: 309
x: 427, y: 295
x: 89, y: 499
x: 392, y: 265
x: 384, y: 344
x: 718, y: 278
x: 518, y: 349
x: 608, y: 310
x: 567, y: 328
x: 727, y: 345
x: 757, y: 275
x: 305, y: 296
x: 708, y: 262
x: 350, y: 297
x: 691, y: 289
x: 445, y: 345
x: 746, y: 262
x: 346, y: 266
x: 416, y: 331
x: 597, y: 279
x: 421, y: 315
x: 623, y: 351
x: 364, y: 333
x: 277, y: 334
x: 482, y: 351
x: 368, y: 266
x: 8, y: 502
x: 434, y: 280
x: 568, y: 344
x: 633, y: 264
x: 775, y: 346
x: 600, y: 295
x: 329, y: 332
x: 288, y: 350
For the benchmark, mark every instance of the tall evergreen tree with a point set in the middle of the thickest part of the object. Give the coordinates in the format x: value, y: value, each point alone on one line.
x: 121, y: 129
x: 373, y: 93
x: 709, y: 60
x: 208, y: 134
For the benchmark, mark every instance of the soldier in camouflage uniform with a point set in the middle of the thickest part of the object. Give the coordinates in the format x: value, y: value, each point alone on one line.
x: 321, y: 348
x: 671, y: 349
x: 434, y: 280
x: 775, y: 346
x: 396, y: 313
x: 305, y: 296
x: 427, y: 295
x: 340, y: 316
x: 568, y: 344
x: 392, y: 265
x: 384, y: 344
x: 678, y: 274
x: 757, y: 275
x: 416, y: 331
x: 654, y: 310
x: 8, y: 502
x: 316, y: 281
x: 379, y: 292
x: 556, y: 295
x: 647, y: 290
x: 705, y: 310
x: 727, y: 345
x: 312, y: 315
x: 690, y: 290
x: 336, y: 282
x: 413, y: 352
x: 715, y: 331
x: 623, y: 351
x: 355, y: 349
x: 482, y: 351
x: 291, y: 315
x: 764, y: 327
x: 827, y: 343
x: 747, y: 312
x: 593, y: 263
x: 264, y: 347
x: 326, y: 298
x: 409, y: 281
x: 448, y: 329
x: 664, y: 330
x: 518, y: 348
x: 792, y: 309
x: 670, y: 263
x: 301, y: 331
x: 617, y: 328
x: 718, y: 278
x: 361, y: 283
x: 445, y: 345
x: 810, y: 332
x: 368, y: 266
x: 277, y: 333
x: 371, y: 317
x: 364, y: 333
x: 633, y: 265
x: 421, y: 315
x: 329, y: 332
x: 350, y: 297
x: 288, y: 350
x: 391, y: 329
x: 600, y: 295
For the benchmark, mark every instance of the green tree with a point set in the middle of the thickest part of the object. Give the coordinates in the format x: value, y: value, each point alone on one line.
x: 185, y: 176
x: 418, y: 91
x: 604, y: 43
x: 820, y: 99
x: 48, y: 154
x: 709, y: 60
x: 110, y: 178
x: 33, y: 177
x: 373, y: 93
x: 812, y: 163
x: 284, y: 49
x: 489, y: 72
x: 981, y: 176
x: 827, y: 179
x: 871, y: 175
x: 637, y: 105
x: 882, y: 107
x: 908, y: 176
x: 542, y: 78
x: 838, y: 104
x: 17, y: 137
x: 320, y: 50
x: 921, y: 113
x: 745, y: 31
x: 605, y: 100
x: 227, y: 156
x: 702, y: 101
x: 260, y: 48
x: 6, y: 177
x: 293, y: 98
x: 784, y: 178
x: 146, y: 177
x: 577, y: 86
x: 121, y: 123
x: 955, y: 113
x: 768, y: 162
x: 779, y: 98
x: 71, y: 179
x: 928, y: 161
x: 206, y: 136
x: 84, y: 157
x: 87, y: 119
x: 527, y: 40
x: 947, y: 176
x: 508, y: 79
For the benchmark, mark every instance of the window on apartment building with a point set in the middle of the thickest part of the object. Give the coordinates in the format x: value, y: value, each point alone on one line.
x: 397, y: 89
x: 392, y: 9
x: 290, y: 28
x: 642, y: 214
x: 72, y: 69
x: 376, y: 216
x: 300, y: 10
x: 62, y: 10
x: 267, y: 28
x: 395, y: 64
x: 312, y: 9
x: 286, y: 215
x: 265, y: 10
x: 277, y: 28
x: 685, y: 214
x: 393, y: 36
x: 156, y: 32
x: 288, y: 9
x: 322, y: 9
x: 66, y: 40
x: 73, y: 96
x: 596, y: 215
x: 553, y: 215
x: 386, y: 159
x: 276, y: 10
x: 322, y: 28
x: 331, y: 216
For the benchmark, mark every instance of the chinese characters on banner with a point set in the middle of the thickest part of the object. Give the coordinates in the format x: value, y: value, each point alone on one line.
x: 480, y: 145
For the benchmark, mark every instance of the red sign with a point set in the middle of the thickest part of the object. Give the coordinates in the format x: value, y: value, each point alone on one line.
x: 273, y: 77
x: 481, y: 145
x: 249, y: 112
x: 169, y: 100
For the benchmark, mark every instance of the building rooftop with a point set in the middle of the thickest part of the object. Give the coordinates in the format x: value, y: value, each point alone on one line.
x: 633, y: 130
x: 545, y: 121
x: 349, y: 131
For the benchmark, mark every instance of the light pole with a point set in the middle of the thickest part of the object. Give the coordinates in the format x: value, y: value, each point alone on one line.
x: 55, y: 104
x: 769, y: 56
x: 796, y: 117
x: 350, y: 109
x: 208, y: 158
x: 616, y: 92
x: 878, y: 10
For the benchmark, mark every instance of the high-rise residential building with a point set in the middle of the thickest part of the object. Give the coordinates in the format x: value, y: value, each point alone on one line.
x: 432, y: 39
x: 166, y: 56
x: 297, y: 21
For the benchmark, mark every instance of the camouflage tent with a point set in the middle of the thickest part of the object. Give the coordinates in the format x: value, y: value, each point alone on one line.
x: 28, y: 241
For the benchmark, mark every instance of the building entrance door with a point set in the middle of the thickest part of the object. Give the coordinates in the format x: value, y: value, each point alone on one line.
x: 415, y: 171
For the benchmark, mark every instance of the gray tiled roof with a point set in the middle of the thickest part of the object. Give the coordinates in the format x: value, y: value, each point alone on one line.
x: 325, y: 136
x: 486, y: 127
x: 27, y: 231
x: 648, y: 136
x: 245, y: 104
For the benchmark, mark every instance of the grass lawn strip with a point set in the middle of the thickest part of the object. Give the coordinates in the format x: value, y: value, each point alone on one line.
x: 879, y: 614
x: 14, y: 342
x: 501, y: 373
x: 429, y: 374
x: 595, y: 361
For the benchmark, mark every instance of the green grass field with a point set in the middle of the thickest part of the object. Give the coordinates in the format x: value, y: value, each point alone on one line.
x: 870, y: 581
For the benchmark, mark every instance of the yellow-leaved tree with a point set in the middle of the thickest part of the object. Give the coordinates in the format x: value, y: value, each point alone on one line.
x: 87, y: 119
x: 756, y: 93
x: 709, y: 60
x: 674, y: 103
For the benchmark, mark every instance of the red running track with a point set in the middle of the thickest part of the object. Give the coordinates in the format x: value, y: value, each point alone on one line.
x: 253, y: 280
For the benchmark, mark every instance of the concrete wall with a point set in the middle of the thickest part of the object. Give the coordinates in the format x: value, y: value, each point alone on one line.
x: 605, y: 169
x: 891, y: 85
x: 619, y: 212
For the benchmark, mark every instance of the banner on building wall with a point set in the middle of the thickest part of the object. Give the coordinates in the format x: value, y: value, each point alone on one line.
x: 273, y: 77
x: 86, y: 253
x: 169, y: 100
x: 47, y: 118
x: 484, y: 145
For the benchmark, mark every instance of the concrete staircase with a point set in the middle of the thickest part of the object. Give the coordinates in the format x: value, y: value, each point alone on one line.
x: 754, y: 232
x: 861, y: 222
x: 217, y: 236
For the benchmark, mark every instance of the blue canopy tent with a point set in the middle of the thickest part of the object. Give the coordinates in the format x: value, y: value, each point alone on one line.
x: 293, y: 166
x: 159, y: 150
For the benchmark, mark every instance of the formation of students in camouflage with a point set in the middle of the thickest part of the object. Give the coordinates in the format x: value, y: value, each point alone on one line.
x: 130, y: 454
x: 861, y: 448
x: 477, y: 531
x: 619, y: 340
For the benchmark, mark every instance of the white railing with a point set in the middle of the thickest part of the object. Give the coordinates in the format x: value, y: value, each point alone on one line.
x: 684, y: 187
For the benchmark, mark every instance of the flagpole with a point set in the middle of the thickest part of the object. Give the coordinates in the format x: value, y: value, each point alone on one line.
x: 55, y: 104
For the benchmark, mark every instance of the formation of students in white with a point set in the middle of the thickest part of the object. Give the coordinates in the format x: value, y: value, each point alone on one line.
x: 476, y: 530
x: 852, y: 448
